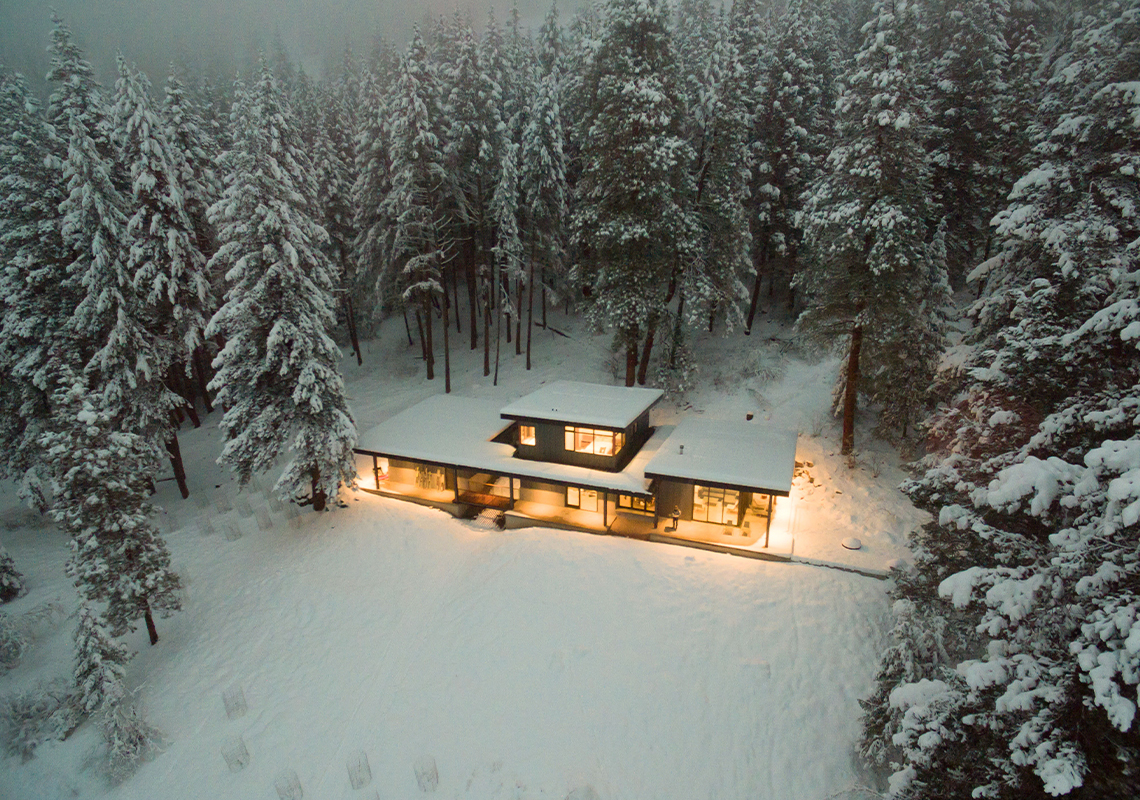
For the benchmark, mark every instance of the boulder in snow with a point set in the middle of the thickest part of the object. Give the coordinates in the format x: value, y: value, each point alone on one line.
x: 851, y: 543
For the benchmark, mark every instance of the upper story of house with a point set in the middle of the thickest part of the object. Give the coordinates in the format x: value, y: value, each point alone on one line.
x: 582, y: 424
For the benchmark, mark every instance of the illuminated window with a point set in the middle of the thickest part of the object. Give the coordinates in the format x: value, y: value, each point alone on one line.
x: 593, y: 441
x: 526, y: 435
x: 712, y: 504
x: 639, y: 505
x: 585, y: 499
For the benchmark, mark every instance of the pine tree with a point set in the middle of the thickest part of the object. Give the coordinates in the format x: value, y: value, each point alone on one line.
x: 12, y: 584
x: 35, y: 301
x: 968, y: 88
x: 782, y: 150
x: 633, y: 224
x: 169, y: 294
x: 1033, y: 482
x: 104, y: 473
x: 415, y: 200
x: 100, y: 661
x: 279, y: 372
x: 868, y: 218
x: 373, y: 286
x: 544, y: 194
x: 508, y: 250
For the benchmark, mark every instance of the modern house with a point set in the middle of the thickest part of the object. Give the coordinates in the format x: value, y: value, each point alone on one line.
x: 583, y: 456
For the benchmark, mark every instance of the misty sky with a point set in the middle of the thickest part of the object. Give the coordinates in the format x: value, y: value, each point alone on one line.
x: 216, y: 34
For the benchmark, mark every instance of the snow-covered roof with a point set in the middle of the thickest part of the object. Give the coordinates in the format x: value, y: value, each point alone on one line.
x: 584, y: 404
x: 457, y: 432
x: 748, y: 455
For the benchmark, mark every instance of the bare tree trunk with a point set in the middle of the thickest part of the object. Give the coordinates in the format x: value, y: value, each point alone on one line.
x: 544, y: 297
x: 647, y: 350
x: 530, y: 310
x: 420, y: 333
x: 487, y: 334
x: 631, y: 360
x: 350, y: 320
x: 408, y: 328
x: 202, y: 375
x: 712, y: 317
x: 446, y: 344
x: 498, y: 338
x: 472, y: 292
x: 850, y: 388
x: 176, y: 462
x: 518, y: 316
x: 504, y: 290
x: 455, y: 297
x: 758, y: 263
x: 677, y: 330
x: 319, y: 498
x: 429, y: 348
x: 151, y: 631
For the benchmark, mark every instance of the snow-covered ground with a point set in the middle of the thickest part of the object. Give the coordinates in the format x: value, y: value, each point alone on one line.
x: 523, y: 664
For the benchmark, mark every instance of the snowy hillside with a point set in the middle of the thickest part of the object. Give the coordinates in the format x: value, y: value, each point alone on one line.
x: 524, y: 664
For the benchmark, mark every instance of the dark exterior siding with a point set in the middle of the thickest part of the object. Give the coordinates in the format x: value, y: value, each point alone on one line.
x: 672, y: 494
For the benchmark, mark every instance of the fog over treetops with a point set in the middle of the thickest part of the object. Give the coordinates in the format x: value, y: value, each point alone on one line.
x: 218, y: 35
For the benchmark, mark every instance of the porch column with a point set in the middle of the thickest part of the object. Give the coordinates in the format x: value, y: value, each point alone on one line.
x: 455, y: 481
x: 768, y: 527
x: 376, y: 471
x: 606, y: 510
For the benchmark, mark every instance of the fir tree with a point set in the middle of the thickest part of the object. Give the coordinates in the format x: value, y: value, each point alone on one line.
x: 415, y: 199
x: 1033, y: 482
x: 35, y: 300
x: 100, y: 661
x: 279, y: 371
x: 12, y: 583
x: 169, y: 294
x: 372, y: 285
x: 104, y: 473
x: 633, y: 224
x: 868, y: 218
x: 544, y: 194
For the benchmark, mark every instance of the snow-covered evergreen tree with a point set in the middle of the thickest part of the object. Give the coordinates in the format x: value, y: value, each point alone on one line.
x: 372, y: 287
x: 967, y: 91
x: 104, y: 474
x: 279, y: 372
x: 12, y: 583
x: 545, y: 194
x: 633, y: 223
x: 1034, y: 480
x: 867, y: 221
x: 100, y: 661
x: 508, y: 250
x: 787, y: 99
x: 161, y: 315
x: 415, y: 200
x: 35, y: 300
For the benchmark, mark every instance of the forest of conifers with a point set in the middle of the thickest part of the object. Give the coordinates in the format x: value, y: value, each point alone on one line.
x: 893, y: 169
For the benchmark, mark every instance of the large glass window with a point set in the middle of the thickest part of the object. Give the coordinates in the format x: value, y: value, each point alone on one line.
x: 526, y: 435
x: 593, y: 440
x: 716, y: 505
x: 638, y: 505
x: 585, y: 499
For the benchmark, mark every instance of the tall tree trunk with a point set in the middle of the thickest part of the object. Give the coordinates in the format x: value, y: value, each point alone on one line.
x: 176, y: 462
x: 631, y: 359
x: 446, y: 344
x: 758, y: 263
x: 202, y: 375
x: 429, y: 349
x: 518, y: 316
x: 350, y: 320
x: 647, y: 350
x: 487, y: 334
x: 151, y: 631
x: 319, y: 498
x: 544, y: 297
x: 712, y: 317
x: 677, y: 330
x: 498, y: 338
x: 455, y: 297
x: 420, y: 333
x: 530, y: 311
x: 851, y: 386
x: 503, y: 299
x: 472, y: 291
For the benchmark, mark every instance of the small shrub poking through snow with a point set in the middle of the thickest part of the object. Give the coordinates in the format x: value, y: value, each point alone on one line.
x: 13, y: 643
x: 130, y: 739
x: 28, y: 719
x: 11, y: 582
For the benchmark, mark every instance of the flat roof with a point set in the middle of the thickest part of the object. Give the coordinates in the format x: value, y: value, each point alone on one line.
x: 457, y: 431
x: 584, y: 403
x: 747, y: 455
